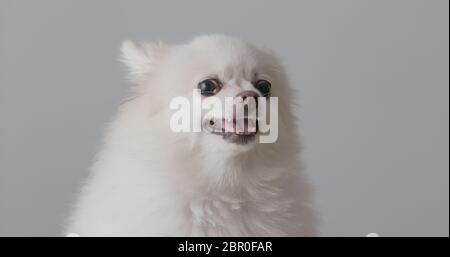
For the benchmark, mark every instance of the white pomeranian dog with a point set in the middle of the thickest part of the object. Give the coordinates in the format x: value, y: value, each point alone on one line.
x: 149, y: 180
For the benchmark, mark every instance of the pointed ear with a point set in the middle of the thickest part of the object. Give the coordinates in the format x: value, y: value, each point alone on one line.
x: 141, y: 59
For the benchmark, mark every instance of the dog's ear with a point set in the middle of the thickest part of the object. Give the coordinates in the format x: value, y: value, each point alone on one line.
x: 141, y: 59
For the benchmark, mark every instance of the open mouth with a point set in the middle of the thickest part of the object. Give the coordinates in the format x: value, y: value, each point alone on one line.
x: 236, y: 130
x: 242, y: 126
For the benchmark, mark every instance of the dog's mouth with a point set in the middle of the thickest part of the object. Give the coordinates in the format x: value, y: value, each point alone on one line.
x: 235, y: 130
x: 241, y: 125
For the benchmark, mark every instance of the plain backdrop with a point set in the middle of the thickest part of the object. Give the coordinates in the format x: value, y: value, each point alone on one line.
x: 373, y: 77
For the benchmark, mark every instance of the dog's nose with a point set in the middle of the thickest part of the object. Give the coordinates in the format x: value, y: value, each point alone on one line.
x: 248, y: 93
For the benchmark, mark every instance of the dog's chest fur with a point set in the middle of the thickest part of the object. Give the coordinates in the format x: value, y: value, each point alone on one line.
x: 142, y: 203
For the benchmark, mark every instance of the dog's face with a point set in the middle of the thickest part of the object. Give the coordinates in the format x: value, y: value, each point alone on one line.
x: 222, y: 70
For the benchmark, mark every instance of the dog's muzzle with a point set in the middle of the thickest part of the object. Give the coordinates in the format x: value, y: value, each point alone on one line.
x: 242, y: 126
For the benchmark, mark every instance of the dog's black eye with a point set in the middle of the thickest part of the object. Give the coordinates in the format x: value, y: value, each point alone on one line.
x: 264, y: 87
x: 209, y: 87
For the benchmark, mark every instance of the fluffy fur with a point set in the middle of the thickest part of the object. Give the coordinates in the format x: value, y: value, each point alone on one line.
x: 150, y: 181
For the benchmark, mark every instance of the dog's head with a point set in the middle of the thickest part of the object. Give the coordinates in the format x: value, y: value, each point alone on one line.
x: 220, y: 69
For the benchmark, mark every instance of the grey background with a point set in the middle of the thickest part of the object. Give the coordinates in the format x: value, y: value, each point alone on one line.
x: 373, y: 77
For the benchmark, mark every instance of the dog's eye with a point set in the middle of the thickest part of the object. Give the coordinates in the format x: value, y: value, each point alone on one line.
x: 209, y: 87
x: 264, y: 87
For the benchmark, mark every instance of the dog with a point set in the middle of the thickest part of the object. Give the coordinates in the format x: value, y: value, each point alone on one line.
x: 151, y: 181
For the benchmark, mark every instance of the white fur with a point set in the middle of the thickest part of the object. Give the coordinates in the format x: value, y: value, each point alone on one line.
x: 150, y: 181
